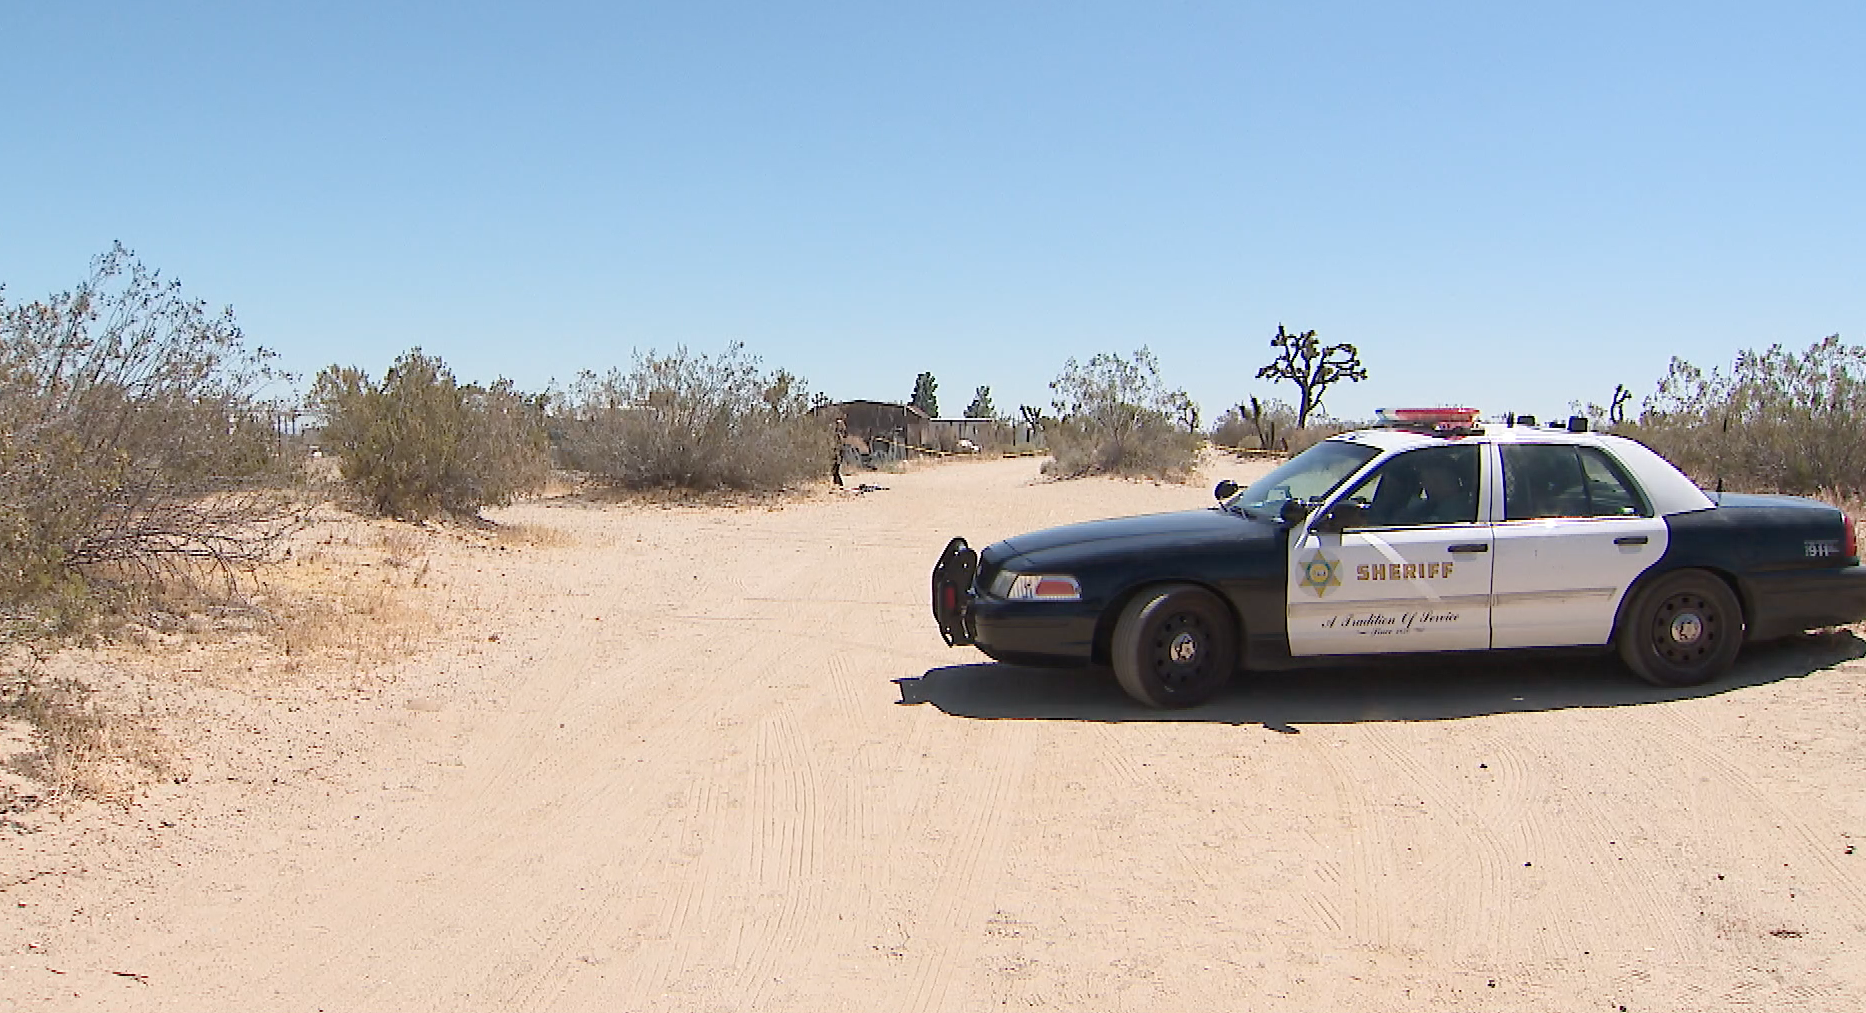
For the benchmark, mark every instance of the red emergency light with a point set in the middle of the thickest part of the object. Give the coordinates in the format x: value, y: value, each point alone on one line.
x: 1457, y: 418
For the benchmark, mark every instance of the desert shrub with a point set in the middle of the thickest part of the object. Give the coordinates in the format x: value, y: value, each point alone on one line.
x: 1301, y: 438
x: 696, y: 422
x: 132, y: 445
x: 1115, y: 415
x: 1777, y: 421
x: 419, y: 443
x: 1257, y: 424
x: 1232, y: 431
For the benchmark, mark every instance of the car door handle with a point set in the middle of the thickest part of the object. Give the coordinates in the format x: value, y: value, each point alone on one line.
x: 1469, y: 547
x: 1630, y: 540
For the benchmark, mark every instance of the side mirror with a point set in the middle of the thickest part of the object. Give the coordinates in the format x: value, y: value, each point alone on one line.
x: 1293, y: 511
x: 1226, y: 489
x: 1339, y: 518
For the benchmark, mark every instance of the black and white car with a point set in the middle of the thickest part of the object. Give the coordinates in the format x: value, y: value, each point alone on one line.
x: 1433, y: 534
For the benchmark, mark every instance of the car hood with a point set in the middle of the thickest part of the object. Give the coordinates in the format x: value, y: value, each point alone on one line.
x: 1153, y: 532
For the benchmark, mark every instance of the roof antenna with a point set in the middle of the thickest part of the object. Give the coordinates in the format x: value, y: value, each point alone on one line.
x: 1720, y: 445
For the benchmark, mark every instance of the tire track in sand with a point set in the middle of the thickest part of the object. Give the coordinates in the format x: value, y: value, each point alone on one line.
x: 974, y: 823
x: 590, y: 917
x: 786, y: 842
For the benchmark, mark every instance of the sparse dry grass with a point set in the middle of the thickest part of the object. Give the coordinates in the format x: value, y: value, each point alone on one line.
x: 678, y: 497
x: 533, y: 536
x: 78, y: 747
x: 351, y: 598
x: 341, y: 595
x: 346, y: 600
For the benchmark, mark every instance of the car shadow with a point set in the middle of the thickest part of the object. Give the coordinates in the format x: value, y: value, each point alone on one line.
x: 1433, y: 690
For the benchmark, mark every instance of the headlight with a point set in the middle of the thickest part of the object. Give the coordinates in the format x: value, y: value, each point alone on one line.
x: 1036, y: 587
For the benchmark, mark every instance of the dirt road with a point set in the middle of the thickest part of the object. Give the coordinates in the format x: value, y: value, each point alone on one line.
x: 720, y: 760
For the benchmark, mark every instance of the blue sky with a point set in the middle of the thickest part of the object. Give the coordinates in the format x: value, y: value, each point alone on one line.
x: 1507, y: 205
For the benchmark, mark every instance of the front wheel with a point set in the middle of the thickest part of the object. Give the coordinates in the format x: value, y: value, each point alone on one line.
x: 1683, y: 629
x: 1174, y: 646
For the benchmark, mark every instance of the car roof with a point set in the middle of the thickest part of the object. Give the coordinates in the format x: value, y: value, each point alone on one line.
x: 1669, y: 490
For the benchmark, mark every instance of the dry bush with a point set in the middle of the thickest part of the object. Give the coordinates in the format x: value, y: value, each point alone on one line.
x: 694, y: 422
x: 131, y: 440
x: 1257, y: 424
x: 1295, y: 441
x: 1777, y: 422
x: 1232, y: 431
x: 1270, y: 425
x: 1117, y: 416
x: 419, y: 444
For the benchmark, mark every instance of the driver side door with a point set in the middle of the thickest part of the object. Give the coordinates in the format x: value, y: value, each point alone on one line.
x: 1386, y: 570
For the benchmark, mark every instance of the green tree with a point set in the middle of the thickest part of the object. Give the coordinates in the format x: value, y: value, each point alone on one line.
x: 926, y: 396
x: 1312, y: 366
x: 981, y: 406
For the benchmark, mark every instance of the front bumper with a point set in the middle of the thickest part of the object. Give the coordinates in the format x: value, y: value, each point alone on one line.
x: 1785, y: 603
x: 1025, y: 632
x: 1051, y: 633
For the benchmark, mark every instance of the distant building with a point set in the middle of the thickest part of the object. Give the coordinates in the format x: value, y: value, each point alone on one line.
x: 944, y: 432
x: 885, y: 430
x: 879, y: 428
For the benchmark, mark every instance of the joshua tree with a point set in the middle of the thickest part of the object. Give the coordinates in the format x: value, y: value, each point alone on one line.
x: 1312, y: 366
x: 1616, y: 412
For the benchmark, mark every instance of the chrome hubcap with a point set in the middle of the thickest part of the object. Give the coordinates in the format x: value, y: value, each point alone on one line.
x: 1184, y: 648
x: 1687, y: 628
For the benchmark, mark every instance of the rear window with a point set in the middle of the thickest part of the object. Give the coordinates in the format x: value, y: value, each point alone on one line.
x: 1564, y: 480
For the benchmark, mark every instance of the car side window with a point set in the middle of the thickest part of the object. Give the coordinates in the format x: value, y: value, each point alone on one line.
x: 1437, y: 485
x: 1609, y: 492
x: 1563, y: 480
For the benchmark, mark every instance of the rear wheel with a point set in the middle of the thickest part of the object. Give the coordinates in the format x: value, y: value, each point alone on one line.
x: 1174, y: 646
x: 1683, y: 629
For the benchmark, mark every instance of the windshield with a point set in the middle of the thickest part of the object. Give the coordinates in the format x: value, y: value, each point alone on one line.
x: 1308, y: 477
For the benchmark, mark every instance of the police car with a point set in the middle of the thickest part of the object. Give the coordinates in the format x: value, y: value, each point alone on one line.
x: 1432, y: 532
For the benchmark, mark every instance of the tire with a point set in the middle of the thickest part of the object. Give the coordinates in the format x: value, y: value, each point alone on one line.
x: 1683, y: 629
x: 1174, y: 646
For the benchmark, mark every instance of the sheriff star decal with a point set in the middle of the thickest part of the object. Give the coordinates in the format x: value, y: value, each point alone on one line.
x: 1319, y: 572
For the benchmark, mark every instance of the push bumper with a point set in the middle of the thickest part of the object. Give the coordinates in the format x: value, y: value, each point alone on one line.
x: 953, y: 576
x: 1785, y: 603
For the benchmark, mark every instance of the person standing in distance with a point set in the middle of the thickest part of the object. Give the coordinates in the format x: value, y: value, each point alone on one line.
x: 840, y: 429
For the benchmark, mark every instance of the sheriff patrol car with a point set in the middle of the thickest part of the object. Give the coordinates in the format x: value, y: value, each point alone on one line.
x: 1431, y: 533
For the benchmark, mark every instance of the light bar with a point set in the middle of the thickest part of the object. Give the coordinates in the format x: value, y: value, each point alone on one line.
x: 1435, y: 416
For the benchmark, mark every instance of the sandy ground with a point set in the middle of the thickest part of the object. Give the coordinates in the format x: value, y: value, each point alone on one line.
x: 718, y: 759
